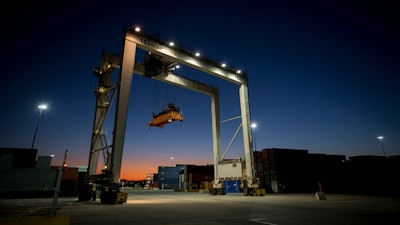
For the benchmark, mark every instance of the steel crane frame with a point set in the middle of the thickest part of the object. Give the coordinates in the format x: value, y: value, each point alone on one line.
x: 128, y: 67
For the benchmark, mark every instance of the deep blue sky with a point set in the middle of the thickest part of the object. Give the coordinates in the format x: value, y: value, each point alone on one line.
x: 322, y: 76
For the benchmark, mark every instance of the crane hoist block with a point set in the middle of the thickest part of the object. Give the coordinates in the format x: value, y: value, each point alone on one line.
x: 153, y: 65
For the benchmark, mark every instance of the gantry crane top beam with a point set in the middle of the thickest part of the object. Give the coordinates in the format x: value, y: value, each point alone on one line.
x: 185, y: 57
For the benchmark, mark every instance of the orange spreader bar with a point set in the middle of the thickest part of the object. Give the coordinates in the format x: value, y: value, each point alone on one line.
x: 165, y: 118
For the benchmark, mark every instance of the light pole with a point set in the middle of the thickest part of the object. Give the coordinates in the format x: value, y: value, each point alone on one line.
x: 380, y: 138
x: 253, y: 129
x: 41, y: 108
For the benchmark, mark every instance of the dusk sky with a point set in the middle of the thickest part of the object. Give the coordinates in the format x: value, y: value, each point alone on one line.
x: 322, y: 77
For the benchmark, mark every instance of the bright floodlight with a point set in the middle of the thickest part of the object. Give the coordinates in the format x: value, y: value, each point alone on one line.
x: 253, y: 128
x: 42, y: 106
x: 380, y: 138
x: 171, y: 44
x: 197, y: 54
x: 223, y: 65
x: 137, y: 29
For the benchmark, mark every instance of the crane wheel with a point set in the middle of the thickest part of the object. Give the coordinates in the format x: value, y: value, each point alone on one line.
x: 220, y: 191
x: 245, y: 191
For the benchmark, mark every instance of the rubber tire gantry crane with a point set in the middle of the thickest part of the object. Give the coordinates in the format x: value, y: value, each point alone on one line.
x: 158, y: 64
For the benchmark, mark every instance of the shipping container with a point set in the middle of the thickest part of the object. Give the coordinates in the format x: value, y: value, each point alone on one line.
x: 232, y: 186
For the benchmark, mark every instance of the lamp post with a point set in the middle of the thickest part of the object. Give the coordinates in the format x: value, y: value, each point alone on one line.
x: 253, y: 129
x: 41, y: 108
x: 58, y: 184
x: 380, y: 138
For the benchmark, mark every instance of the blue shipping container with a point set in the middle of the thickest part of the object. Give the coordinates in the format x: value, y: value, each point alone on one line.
x: 232, y: 186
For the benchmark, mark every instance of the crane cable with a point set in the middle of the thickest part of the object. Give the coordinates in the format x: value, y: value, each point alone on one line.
x: 156, y: 96
x: 165, y: 98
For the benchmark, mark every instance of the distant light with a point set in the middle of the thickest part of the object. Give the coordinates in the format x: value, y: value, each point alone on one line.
x: 42, y: 106
x: 137, y: 29
x: 380, y: 138
x: 223, y: 65
x: 171, y: 44
x: 253, y: 125
x: 239, y: 71
x: 52, y: 156
x: 197, y: 54
x: 177, y: 66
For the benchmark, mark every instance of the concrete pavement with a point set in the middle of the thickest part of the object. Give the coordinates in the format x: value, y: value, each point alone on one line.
x: 168, y: 207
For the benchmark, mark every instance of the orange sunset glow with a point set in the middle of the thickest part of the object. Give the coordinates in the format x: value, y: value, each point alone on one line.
x: 136, y: 169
